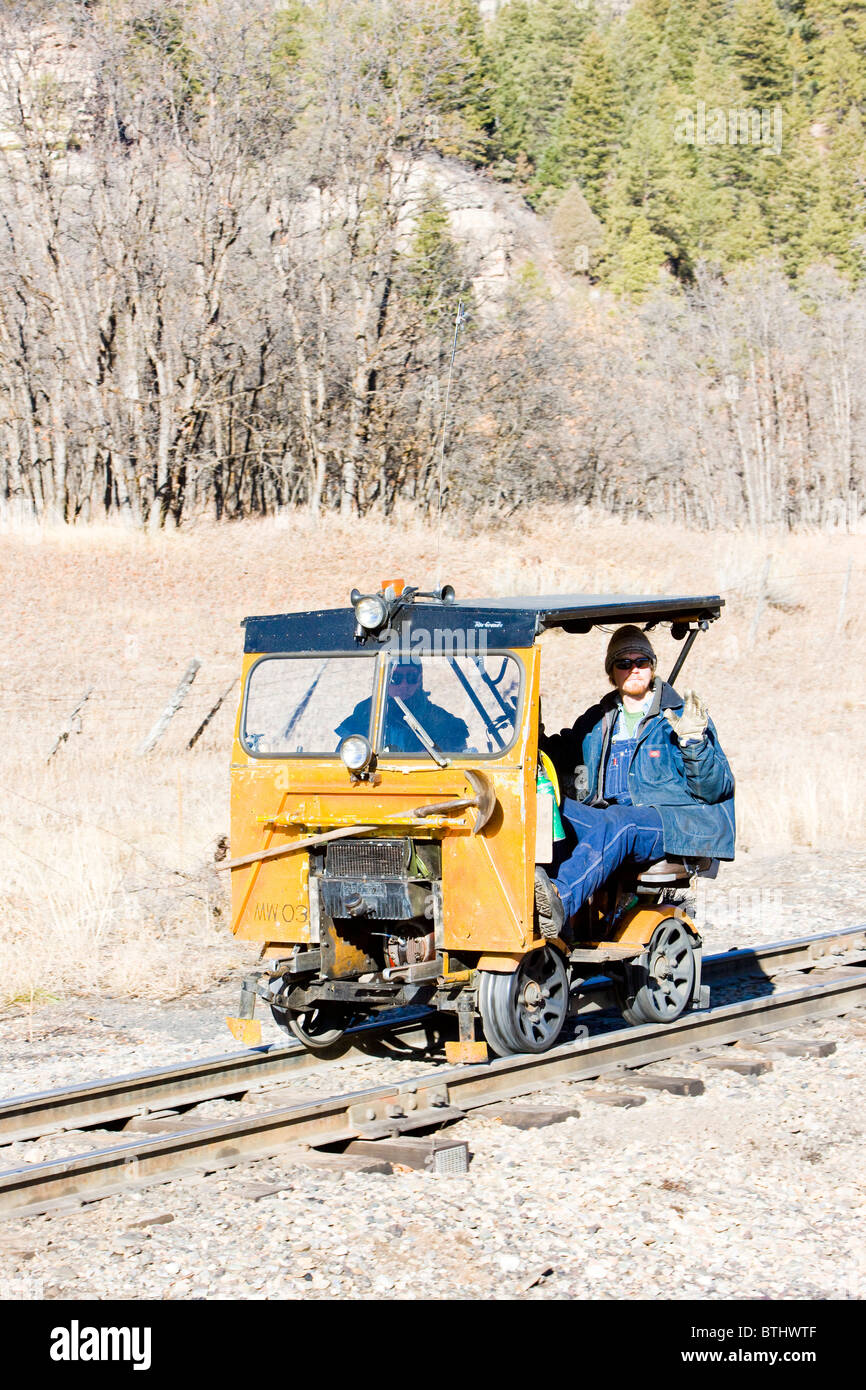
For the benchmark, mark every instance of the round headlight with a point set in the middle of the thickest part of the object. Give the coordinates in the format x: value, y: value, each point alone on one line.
x: 371, y: 611
x: 356, y: 752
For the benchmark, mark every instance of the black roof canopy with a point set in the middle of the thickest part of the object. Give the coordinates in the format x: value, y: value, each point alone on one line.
x: 507, y: 622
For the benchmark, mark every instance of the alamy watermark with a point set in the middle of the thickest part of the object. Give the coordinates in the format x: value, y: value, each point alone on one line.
x: 758, y: 911
x: 744, y: 125
x: 412, y: 646
x: 99, y: 1343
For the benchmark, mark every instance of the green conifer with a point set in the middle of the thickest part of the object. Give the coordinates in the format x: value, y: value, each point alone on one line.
x: 837, y: 55
x: 534, y: 48
x: 435, y: 272
x: 577, y: 232
x: 637, y: 266
x: 760, y: 51
x: 469, y: 90
x: 679, y: 43
x: 836, y: 231
x: 583, y: 146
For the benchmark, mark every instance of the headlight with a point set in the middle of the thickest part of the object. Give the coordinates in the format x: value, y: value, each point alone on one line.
x: 371, y: 612
x: 356, y: 752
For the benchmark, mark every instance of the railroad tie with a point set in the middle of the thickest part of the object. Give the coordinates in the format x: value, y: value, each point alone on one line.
x: 740, y: 1065
x: 623, y: 1100
x: 530, y: 1116
x: 788, y: 1048
x: 674, y: 1085
x: 432, y: 1155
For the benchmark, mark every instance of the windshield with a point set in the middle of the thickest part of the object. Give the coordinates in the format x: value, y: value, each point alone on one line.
x: 465, y: 704
x: 297, y: 705
x: 307, y: 704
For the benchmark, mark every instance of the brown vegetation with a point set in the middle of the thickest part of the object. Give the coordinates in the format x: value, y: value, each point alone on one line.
x: 107, y: 857
x: 228, y: 277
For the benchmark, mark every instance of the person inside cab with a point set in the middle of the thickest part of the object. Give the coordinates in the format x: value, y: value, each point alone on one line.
x: 405, y: 688
x: 651, y: 778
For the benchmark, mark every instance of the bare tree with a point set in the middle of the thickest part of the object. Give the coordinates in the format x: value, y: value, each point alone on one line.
x: 217, y: 294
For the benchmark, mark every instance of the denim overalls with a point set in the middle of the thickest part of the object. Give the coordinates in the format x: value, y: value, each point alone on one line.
x: 607, y: 836
x: 619, y: 757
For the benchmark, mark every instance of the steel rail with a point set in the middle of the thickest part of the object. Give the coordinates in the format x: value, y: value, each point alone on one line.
x: 117, y: 1098
x: 104, y: 1102
x: 780, y: 955
x: 420, y: 1103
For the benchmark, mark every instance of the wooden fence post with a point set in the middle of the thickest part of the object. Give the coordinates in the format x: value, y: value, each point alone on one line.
x: 840, y: 616
x: 73, y: 724
x: 171, y: 709
x: 208, y: 717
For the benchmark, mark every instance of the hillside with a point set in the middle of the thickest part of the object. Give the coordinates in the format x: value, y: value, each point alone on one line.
x: 235, y: 239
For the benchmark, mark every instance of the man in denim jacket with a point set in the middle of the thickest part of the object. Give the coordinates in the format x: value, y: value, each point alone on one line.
x: 650, y: 776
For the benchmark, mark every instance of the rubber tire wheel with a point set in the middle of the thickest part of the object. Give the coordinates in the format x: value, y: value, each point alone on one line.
x: 514, y: 1024
x: 318, y: 1029
x: 652, y: 1002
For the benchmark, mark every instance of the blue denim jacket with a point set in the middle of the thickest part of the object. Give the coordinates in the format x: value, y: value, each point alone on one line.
x: 691, y: 787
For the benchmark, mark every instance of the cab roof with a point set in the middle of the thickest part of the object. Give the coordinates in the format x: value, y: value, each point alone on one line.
x: 507, y: 622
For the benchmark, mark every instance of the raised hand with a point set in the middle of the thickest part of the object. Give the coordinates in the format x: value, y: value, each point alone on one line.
x: 691, y: 725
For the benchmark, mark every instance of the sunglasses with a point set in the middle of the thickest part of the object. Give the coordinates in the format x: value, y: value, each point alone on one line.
x: 625, y: 663
x: 406, y: 678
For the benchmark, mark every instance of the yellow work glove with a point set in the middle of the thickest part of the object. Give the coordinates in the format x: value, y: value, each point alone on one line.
x: 691, y: 725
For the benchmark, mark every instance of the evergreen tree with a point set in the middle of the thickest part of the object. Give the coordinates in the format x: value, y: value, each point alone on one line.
x: 712, y: 21
x: 653, y: 178
x: 467, y: 91
x: 789, y: 188
x: 577, y: 232
x: 679, y: 43
x: 435, y: 272
x: 511, y: 58
x: 559, y: 30
x: 636, y: 45
x: 291, y: 31
x: 837, y: 54
x: 760, y: 51
x: 584, y: 143
x: 836, y: 231
x: 637, y: 265
x: 162, y: 32
x: 534, y: 47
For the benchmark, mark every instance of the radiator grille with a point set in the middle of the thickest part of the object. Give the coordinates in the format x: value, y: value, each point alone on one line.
x: 366, y: 858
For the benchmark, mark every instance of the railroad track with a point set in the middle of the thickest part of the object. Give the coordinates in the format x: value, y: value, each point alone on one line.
x: 105, y: 1103
x: 423, y: 1102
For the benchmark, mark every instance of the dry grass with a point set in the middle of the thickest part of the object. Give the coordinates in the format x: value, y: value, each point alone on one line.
x: 107, y: 857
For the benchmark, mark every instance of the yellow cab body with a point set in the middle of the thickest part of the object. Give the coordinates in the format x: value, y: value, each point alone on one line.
x: 281, y: 796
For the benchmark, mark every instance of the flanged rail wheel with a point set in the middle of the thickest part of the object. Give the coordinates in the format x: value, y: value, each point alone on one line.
x: 316, y: 1028
x: 668, y: 977
x: 526, y: 1010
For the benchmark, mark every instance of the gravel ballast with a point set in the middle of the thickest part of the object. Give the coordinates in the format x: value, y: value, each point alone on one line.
x: 752, y: 1189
